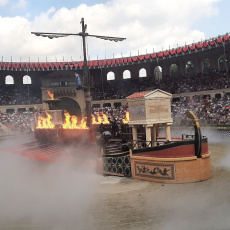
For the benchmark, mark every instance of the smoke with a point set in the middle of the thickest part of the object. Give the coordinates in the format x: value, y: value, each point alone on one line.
x: 213, y: 135
x: 200, y: 205
x: 66, y: 194
x: 50, y: 195
x: 196, y: 209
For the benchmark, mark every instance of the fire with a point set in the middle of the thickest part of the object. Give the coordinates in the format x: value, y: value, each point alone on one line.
x: 98, y: 120
x: 126, y: 119
x: 71, y: 122
x: 45, y: 123
x: 51, y: 95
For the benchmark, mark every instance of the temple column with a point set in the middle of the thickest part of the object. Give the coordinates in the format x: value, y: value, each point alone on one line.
x: 134, y: 130
x: 168, y: 132
x: 148, y: 133
x: 154, y: 135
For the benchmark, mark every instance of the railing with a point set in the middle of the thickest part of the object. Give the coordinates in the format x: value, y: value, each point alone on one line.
x: 187, y: 137
x: 138, y: 144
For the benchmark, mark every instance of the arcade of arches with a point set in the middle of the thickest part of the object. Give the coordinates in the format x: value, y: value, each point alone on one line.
x: 167, y: 69
x: 216, y: 57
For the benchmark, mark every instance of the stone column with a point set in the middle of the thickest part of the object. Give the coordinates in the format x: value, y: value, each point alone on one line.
x: 134, y: 130
x: 213, y: 62
x: 197, y: 65
x: 148, y: 133
x: 181, y: 67
x: 168, y: 131
x: 154, y: 135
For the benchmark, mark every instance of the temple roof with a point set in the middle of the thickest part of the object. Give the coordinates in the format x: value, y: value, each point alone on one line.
x: 138, y: 94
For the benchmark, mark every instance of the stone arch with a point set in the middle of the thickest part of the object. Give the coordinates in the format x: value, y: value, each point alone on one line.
x: 70, y: 106
x: 158, y: 73
x: 174, y: 70
x: 27, y: 80
x: 222, y: 62
x: 189, y: 67
x: 110, y: 76
x: 9, y: 80
x: 206, y: 64
x: 126, y: 74
x: 142, y: 72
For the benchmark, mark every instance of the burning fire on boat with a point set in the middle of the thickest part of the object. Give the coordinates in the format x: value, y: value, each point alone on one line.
x: 45, y: 122
x: 126, y: 119
x: 71, y: 122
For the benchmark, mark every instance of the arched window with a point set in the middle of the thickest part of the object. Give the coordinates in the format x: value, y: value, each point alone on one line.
x: 205, y: 65
x: 174, y: 70
x: 126, y: 74
x: 222, y: 62
x: 158, y: 73
x: 27, y: 80
x: 110, y: 76
x: 142, y: 72
x: 189, y: 67
x: 9, y: 80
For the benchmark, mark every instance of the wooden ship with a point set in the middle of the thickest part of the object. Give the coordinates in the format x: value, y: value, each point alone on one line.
x: 160, y: 160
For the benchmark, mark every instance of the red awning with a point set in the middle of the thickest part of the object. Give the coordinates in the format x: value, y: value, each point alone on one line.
x: 95, y: 63
x: 166, y: 53
x: 185, y: 49
x: 172, y: 52
x: 160, y: 54
x: 141, y: 58
x: 134, y: 59
x: 205, y: 44
x: 212, y: 43
x: 226, y: 38
x: 179, y: 50
x: 192, y: 48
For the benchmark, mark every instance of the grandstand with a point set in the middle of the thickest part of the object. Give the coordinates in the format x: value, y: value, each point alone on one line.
x: 199, y: 70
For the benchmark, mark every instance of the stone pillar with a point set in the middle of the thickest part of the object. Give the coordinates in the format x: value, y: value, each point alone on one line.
x: 197, y: 65
x: 213, y: 62
x: 148, y: 133
x: 154, y: 135
x: 168, y: 131
x: 134, y: 130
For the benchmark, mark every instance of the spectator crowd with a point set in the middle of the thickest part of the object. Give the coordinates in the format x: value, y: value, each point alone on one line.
x: 16, y: 123
x: 18, y: 95
x: 181, y: 83
x: 210, y: 111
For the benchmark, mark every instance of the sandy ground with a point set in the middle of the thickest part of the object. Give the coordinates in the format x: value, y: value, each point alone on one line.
x: 134, y: 204
x: 38, y: 195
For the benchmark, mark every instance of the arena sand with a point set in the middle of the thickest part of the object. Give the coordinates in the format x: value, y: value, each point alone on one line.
x: 69, y: 195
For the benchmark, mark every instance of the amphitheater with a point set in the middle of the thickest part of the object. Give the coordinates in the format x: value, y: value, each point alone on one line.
x: 67, y: 194
x: 114, y: 79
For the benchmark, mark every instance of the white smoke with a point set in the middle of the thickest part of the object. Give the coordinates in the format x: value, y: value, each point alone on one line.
x: 51, y: 195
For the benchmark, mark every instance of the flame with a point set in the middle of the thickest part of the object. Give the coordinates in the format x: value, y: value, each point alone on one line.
x: 51, y: 95
x: 126, y: 119
x: 45, y: 123
x: 98, y: 120
x: 71, y: 122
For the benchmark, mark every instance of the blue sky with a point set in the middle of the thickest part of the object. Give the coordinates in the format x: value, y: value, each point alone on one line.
x: 35, y: 7
x: 148, y: 25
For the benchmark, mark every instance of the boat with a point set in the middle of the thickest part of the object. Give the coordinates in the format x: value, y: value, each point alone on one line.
x: 167, y: 160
